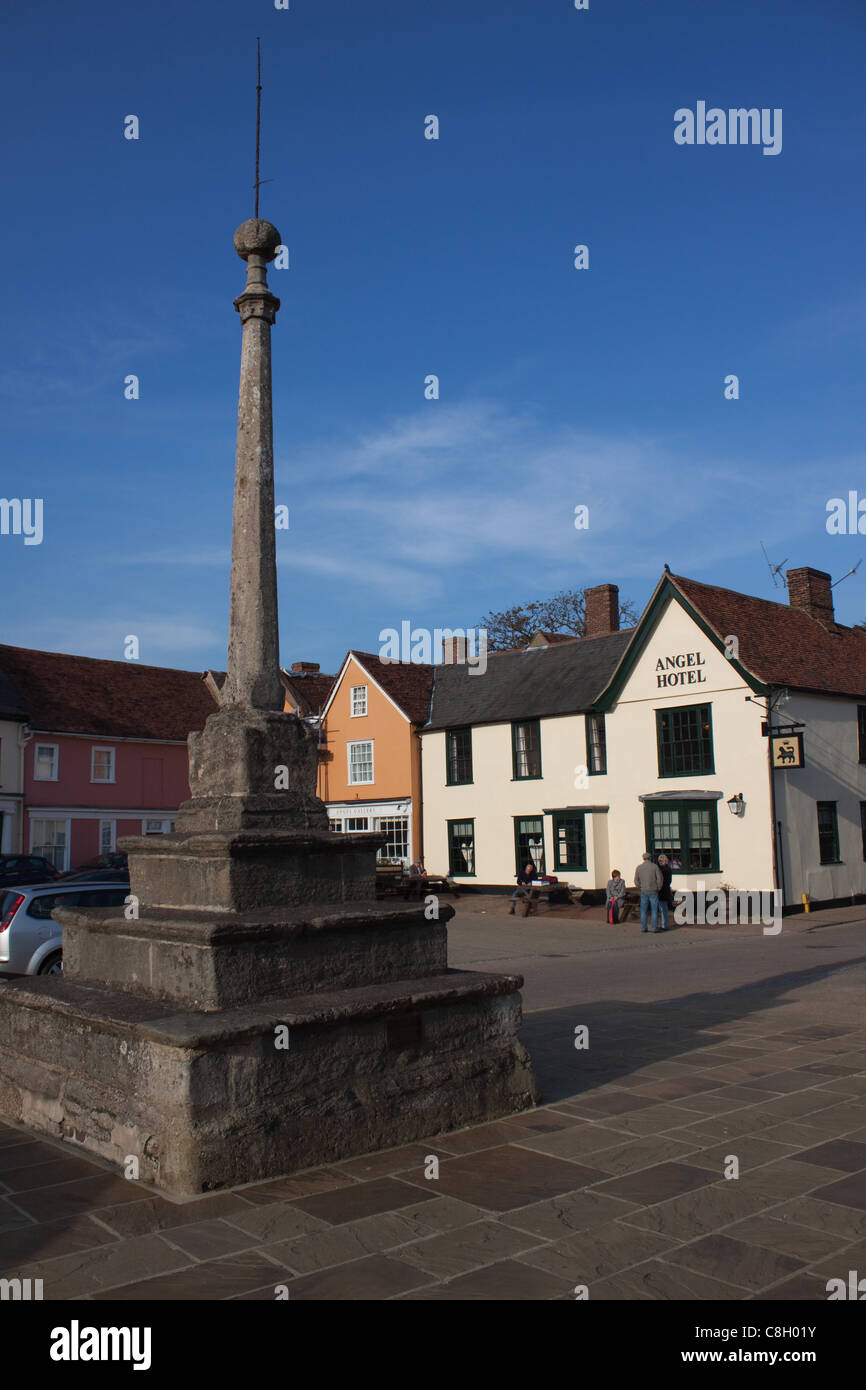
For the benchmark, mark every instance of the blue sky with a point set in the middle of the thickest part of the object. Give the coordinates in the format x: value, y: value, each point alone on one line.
x: 558, y: 387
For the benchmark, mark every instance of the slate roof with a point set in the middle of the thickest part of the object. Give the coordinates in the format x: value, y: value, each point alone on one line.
x: 782, y: 645
x: 528, y: 683
x: 111, y: 699
x: 408, y: 683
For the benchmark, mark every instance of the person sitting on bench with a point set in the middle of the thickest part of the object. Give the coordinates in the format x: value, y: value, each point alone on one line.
x: 523, y: 891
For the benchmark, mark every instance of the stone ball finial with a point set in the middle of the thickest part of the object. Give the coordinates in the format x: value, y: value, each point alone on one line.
x: 257, y: 237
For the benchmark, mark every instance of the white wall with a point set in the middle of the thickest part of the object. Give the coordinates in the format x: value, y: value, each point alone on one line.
x: 740, y: 755
x: 832, y: 772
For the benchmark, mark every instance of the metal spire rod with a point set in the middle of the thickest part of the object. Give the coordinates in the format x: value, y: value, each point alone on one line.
x: 258, y: 116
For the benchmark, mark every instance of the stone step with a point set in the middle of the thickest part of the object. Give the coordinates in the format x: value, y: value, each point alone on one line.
x: 216, y: 960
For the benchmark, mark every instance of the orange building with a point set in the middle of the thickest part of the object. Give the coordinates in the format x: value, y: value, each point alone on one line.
x: 370, y: 754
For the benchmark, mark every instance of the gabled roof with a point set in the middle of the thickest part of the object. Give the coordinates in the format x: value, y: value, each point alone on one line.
x: 778, y: 645
x: 407, y: 684
x: 530, y: 683
x: 309, y: 689
x: 121, y: 699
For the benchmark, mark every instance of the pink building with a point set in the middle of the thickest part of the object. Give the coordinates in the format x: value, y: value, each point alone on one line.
x: 104, y: 753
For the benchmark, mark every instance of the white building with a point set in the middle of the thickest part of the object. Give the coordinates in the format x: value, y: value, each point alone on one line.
x: 583, y: 754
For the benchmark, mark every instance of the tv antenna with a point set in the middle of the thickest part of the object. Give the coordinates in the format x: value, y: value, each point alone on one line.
x: 775, y: 570
x: 258, y: 181
x: 852, y: 570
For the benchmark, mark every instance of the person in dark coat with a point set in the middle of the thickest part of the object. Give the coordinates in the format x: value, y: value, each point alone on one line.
x: 666, y: 896
x: 523, y: 889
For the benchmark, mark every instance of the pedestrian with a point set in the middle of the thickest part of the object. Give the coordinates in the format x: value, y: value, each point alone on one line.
x: 523, y: 889
x: 648, y: 880
x: 614, y: 897
x: 666, y: 897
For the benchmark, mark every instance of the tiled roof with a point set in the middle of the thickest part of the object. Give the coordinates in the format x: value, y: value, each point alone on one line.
x: 310, y: 689
x: 10, y: 702
x: 530, y: 683
x: 120, y: 699
x: 408, y: 683
x: 782, y: 645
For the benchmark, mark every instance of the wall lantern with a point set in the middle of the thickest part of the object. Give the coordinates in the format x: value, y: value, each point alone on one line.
x: 737, y: 805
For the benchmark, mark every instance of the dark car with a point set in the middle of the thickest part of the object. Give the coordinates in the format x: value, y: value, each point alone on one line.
x: 105, y: 868
x: 25, y: 868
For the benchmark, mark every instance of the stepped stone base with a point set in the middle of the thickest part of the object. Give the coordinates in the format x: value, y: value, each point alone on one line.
x: 256, y: 1011
x: 204, y: 1100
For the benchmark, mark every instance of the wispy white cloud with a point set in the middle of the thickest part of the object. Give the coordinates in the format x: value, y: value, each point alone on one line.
x: 158, y: 637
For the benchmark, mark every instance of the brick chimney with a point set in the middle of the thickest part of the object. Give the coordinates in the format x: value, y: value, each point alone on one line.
x: 602, y: 610
x: 305, y: 668
x: 453, y: 650
x: 810, y: 590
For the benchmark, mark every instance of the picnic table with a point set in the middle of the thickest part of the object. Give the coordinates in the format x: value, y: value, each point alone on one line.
x: 540, y: 891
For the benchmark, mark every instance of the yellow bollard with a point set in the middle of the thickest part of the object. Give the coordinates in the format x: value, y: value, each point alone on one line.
x: 805, y: 897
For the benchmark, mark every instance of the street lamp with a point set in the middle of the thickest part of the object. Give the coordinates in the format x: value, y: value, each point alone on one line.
x: 736, y: 805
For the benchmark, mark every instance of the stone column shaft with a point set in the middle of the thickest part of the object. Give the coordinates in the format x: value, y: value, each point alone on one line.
x: 253, y: 675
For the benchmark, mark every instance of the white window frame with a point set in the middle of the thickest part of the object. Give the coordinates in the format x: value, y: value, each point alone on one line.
x: 58, y: 820
x: 56, y: 750
x: 351, y: 767
x: 113, y: 836
x: 166, y: 825
x: 356, y: 692
x: 103, y: 748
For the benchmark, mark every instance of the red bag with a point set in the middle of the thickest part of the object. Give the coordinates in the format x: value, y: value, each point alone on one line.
x: 610, y: 914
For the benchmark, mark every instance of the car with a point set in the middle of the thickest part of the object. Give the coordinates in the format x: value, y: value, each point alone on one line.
x: 31, y: 942
x: 105, y: 868
x: 25, y: 868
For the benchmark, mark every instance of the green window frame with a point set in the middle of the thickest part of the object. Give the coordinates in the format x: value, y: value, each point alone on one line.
x: 529, y: 842
x: 461, y: 848
x: 687, y: 832
x: 861, y: 733
x: 863, y: 827
x: 828, y: 832
x: 526, y: 749
x: 569, y: 840
x: 685, y: 741
x: 596, y: 744
x: 458, y: 757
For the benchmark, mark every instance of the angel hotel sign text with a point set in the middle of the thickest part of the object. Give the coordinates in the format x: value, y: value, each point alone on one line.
x: 682, y: 669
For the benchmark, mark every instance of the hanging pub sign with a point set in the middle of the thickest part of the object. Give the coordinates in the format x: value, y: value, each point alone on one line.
x: 787, y: 750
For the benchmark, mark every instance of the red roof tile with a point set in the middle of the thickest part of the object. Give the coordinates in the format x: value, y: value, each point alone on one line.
x: 408, y: 683
x: 782, y: 645
x: 120, y: 699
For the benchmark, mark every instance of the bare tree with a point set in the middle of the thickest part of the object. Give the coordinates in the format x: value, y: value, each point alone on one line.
x: 565, y: 612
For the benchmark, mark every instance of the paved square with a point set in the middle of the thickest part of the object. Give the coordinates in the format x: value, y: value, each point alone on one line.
x: 710, y: 1143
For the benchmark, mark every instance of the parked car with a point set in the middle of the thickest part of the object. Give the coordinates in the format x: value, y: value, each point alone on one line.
x: 105, y: 868
x: 31, y: 942
x: 25, y: 868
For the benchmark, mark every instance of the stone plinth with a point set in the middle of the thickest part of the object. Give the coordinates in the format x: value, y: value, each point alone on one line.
x: 209, y: 1099
x: 228, y: 871
x: 189, y: 959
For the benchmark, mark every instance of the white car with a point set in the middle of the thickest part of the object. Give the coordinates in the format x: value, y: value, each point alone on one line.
x: 31, y: 942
